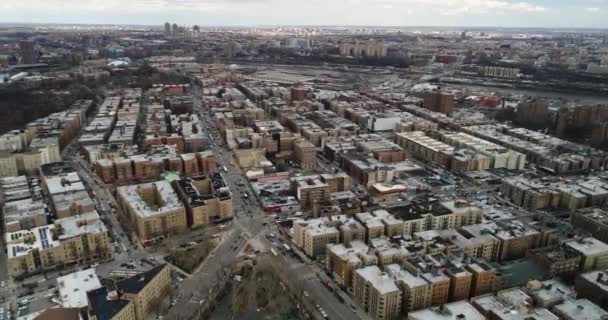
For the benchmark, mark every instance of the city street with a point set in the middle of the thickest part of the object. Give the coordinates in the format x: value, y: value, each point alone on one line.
x: 249, y: 222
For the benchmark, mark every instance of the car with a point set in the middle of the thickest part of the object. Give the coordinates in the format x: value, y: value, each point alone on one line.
x: 3, y: 284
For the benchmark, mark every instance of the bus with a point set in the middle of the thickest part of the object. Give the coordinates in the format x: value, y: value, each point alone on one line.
x: 274, y: 252
x: 287, y: 248
x: 224, y: 169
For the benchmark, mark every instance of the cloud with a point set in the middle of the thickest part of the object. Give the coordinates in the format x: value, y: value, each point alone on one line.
x: 529, y: 13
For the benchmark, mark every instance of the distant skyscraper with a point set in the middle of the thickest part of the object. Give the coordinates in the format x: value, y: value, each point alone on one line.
x: 26, y: 50
x: 196, y: 28
x: 174, y: 28
x: 167, y: 27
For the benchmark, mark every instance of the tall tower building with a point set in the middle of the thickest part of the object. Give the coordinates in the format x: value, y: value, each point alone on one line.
x: 167, y: 28
x: 26, y: 50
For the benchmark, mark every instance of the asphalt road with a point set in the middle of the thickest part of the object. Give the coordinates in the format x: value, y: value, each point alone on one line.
x: 250, y: 222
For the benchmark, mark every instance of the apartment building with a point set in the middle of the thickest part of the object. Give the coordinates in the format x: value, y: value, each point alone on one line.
x: 476, y: 242
x: 314, y: 235
x: 133, y: 298
x: 338, y: 182
x: 156, y: 162
x: 546, y: 151
x: 560, y: 260
x: 317, y: 238
x: 377, y: 293
x: 550, y: 292
x: 500, y: 157
x: 450, y: 311
x: 306, y: 154
x: 593, y: 286
x: 483, y: 278
x: 516, y: 239
x: 460, y: 283
x: 416, y: 290
x: 440, y: 286
x: 206, y: 198
x: 501, y: 306
x: 69, y: 241
x: 342, y: 260
x: 351, y: 230
x: 153, y: 209
x: 593, y: 251
x: 593, y: 221
x: 310, y: 190
x: 579, y: 309
x: 374, y: 227
x: 425, y: 148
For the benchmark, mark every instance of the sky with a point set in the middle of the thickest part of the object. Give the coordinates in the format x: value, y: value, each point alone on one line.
x: 504, y: 13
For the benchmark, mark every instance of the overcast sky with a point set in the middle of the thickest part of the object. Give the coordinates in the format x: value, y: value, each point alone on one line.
x: 508, y: 13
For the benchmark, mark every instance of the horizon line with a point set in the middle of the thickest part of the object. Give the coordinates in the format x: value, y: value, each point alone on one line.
x: 13, y: 23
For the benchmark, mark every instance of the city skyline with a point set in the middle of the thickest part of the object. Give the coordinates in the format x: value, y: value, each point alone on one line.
x: 472, y: 13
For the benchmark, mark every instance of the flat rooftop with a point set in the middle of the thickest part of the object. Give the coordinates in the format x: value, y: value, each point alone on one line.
x: 589, y: 246
x: 448, y: 311
x: 581, y: 309
x: 73, y: 287
x: 165, y: 198
x: 379, y: 280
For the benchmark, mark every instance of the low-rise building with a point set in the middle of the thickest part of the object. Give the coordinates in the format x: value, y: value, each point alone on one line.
x: 580, y: 309
x: 510, y: 304
x: 455, y: 310
x: 592, y: 220
x: 593, y: 286
x: 550, y: 292
x: 559, y: 260
x: 594, y: 253
x: 73, y: 287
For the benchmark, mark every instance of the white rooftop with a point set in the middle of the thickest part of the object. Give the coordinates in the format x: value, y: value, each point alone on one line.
x: 449, y: 311
x: 168, y: 199
x: 64, y: 183
x: 589, y: 246
x: 73, y: 287
x: 581, y: 309
x: 379, y: 280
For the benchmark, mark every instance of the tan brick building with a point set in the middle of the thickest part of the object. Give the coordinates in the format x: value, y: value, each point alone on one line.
x: 153, y: 209
x: 70, y: 241
x: 206, y: 198
x: 305, y: 153
x: 377, y: 293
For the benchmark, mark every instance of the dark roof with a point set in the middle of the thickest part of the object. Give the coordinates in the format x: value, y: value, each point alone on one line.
x: 101, y: 307
x: 56, y: 168
x: 60, y: 314
x: 136, y: 283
